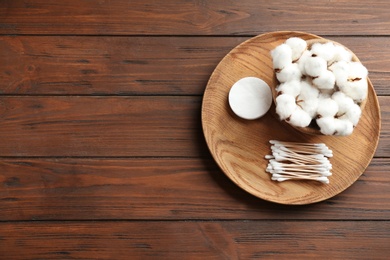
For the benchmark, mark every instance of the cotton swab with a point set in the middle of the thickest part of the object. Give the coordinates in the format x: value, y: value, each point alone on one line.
x: 320, y: 179
x: 299, y: 161
x: 306, y: 149
x: 318, y: 147
x: 326, y: 165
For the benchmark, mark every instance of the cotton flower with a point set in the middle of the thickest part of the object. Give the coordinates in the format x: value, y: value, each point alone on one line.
x: 327, y: 125
x: 302, y: 60
x: 308, y: 91
x: 299, y: 118
x: 285, y: 105
x: 343, y: 127
x: 315, y: 66
x: 325, y: 80
x: 327, y: 92
x: 297, y: 45
x: 327, y: 107
x: 309, y: 105
x: 289, y: 72
x: 340, y: 69
x: 350, y: 71
x: 326, y: 51
x: 344, y: 102
x: 352, y: 114
x: 308, y: 98
x: 341, y: 54
x: 357, y: 70
x: 292, y: 88
x: 357, y: 90
x: 355, y: 83
x: 281, y: 56
x: 323, y: 94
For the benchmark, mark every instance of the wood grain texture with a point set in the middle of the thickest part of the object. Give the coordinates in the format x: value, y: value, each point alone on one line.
x: 102, y: 154
x: 196, y: 240
x: 101, y: 126
x: 114, y: 126
x: 217, y: 17
x: 108, y: 65
x: 32, y: 65
x: 165, y: 189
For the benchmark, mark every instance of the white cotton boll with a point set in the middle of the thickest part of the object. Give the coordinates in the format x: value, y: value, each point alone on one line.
x: 308, y: 98
x: 343, y: 127
x: 292, y: 88
x: 323, y: 95
x: 297, y: 45
x: 309, y: 105
x: 308, y: 91
x: 327, y: 92
x: 327, y: 125
x: 357, y: 90
x: 340, y: 71
x: 299, y: 118
x: 341, y: 54
x: 344, y: 102
x: 315, y: 66
x: 356, y: 70
x: 325, y: 51
x: 352, y: 114
x: 281, y: 56
x: 302, y: 60
x: 327, y: 107
x: 326, y: 80
x: 285, y: 105
x: 340, y: 67
x: 351, y: 78
x: 289, y: 72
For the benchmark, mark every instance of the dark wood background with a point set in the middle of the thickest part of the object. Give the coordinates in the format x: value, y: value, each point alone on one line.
x: 102, y: 154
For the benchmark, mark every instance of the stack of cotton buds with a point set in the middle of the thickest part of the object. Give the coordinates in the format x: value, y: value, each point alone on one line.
x: 319, y: 84
x: 299, y: 161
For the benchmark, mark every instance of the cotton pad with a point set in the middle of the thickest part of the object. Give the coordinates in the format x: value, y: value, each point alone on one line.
x: 250, y: 98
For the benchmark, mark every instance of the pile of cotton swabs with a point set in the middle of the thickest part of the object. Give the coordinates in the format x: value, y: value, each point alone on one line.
x: 299, y: 161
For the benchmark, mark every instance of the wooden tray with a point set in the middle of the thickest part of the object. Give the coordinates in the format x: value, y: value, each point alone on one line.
x: 239, y: 146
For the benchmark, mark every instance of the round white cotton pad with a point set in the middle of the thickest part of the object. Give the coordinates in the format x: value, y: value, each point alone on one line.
x: 250, y: 98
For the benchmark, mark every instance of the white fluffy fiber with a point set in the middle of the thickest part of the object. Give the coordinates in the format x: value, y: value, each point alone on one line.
x: 297, y: 45
x: 325, y: 51
x: 281, y: 56
x: 325, y: 80
x: 288, y: 73
x: 286, y: 105
x: 299, y: 117
x: 327, y: 107
x: 320, y: 83
x: 292, y: 88
x: 315, y: 66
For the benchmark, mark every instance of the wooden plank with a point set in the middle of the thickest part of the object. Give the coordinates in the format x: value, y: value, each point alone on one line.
x: 139, y: 65
x: 109, y: 65
x: 384, y: 146
x: 170, y: 189
x: 101, y: 126
x: 85, y: 126
x: 170, y: 17
x: 196, y: 240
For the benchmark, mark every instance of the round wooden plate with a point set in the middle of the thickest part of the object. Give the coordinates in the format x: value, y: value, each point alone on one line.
x: 239, y: 146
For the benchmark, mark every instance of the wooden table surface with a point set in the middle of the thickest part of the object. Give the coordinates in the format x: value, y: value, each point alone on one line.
x: 102, y: 154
